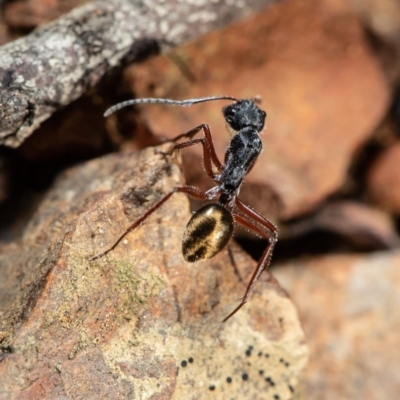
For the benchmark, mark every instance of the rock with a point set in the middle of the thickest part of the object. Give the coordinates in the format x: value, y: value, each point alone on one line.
x: 382, y: 21
x: 382, y: 17
x: 319, y: 81
x: 360, y: 226
x: 347, y: 304
x: 383, y: 179
x: 28, y: 14
x: 139, y: 322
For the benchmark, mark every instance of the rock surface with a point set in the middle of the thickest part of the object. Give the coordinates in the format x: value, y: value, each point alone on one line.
x: 348, y: 307
x: 362, y: 227
x: 383, y: 179
x: 139, y: 323
x: 29, y: 14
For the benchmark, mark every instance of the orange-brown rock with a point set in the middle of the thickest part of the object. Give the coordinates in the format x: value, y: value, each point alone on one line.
x: 348, y: 306
x: 29, y: 14
x: 140, y: 322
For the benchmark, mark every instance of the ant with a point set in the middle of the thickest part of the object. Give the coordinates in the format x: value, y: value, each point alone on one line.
x: 211, y: 227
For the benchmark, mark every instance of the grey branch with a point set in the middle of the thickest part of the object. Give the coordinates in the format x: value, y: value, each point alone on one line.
x: 57, y: 63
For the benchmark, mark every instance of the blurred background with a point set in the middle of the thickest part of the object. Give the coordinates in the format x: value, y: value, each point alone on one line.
x: 328, y: 74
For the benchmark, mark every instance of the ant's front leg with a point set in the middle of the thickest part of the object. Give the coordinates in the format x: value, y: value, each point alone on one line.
x: 209, y: 153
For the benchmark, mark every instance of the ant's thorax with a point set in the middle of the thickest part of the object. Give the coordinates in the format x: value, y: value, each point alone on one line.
x: 246, y: 119
x: 242, y: 153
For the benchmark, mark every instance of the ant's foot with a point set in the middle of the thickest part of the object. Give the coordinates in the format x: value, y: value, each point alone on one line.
x: 168, y: 153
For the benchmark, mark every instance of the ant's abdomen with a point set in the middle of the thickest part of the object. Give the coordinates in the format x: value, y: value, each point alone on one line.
x: 207, y: 232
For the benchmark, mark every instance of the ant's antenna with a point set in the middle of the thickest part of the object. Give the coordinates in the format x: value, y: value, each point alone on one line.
x: 184, y: 103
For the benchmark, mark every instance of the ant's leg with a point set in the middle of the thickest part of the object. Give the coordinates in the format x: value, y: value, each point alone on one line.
x: 253, y: 215
x: 207, y: 157
x: 193, y: 192
x: 266, y: 233
x: 206, y: 141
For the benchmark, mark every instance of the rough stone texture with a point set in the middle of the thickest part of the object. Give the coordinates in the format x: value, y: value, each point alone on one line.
x: 320, y: 83
x: 139, y: 323
x: 383, y: 180
x: 58, y: 63
x: 348, y: 307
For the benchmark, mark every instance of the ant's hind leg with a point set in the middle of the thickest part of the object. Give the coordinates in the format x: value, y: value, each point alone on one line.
x: 265, y: 232
x: 193, y: 192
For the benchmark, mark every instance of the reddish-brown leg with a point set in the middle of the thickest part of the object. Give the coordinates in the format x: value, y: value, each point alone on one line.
x: 266, y: 230
x: 206, y: 155
x: 193, y: 192
x: 246, y: 210
x: 208, y: 147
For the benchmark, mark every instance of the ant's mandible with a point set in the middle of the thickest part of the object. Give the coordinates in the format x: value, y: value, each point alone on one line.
x: 211, y: 227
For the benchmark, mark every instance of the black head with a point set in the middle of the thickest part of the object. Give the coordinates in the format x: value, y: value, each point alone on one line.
x: 244, y: 113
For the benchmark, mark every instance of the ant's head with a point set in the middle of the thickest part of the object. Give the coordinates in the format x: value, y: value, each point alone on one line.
x: 243, y: 114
